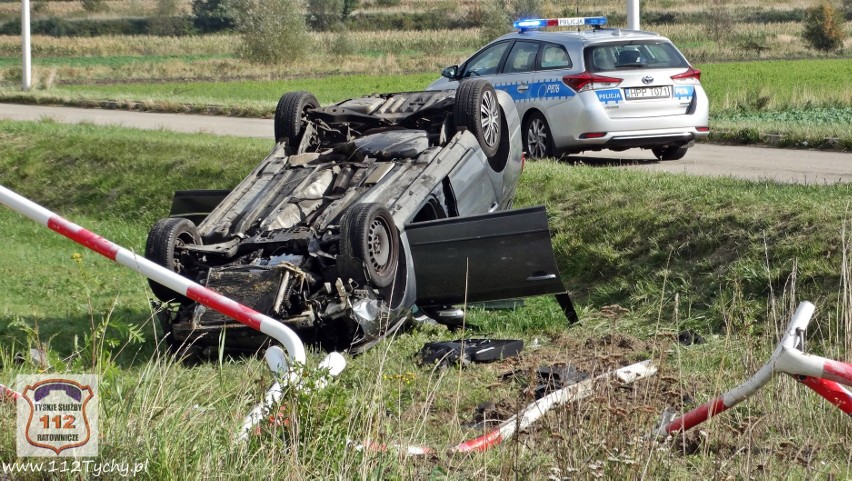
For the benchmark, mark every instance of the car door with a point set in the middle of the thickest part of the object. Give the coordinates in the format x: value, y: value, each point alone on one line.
x: 516, y: 75
x: 548, y: 89
x: 487, y: 62
x: 488, y: 257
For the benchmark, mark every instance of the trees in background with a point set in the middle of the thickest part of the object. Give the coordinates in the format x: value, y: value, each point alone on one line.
x: 824, y: 28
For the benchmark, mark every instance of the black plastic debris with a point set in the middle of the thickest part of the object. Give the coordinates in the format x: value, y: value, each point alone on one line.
x: 489, y: 414
x: 464, y: 351
x: 567, y: 306
x: 554, y: 378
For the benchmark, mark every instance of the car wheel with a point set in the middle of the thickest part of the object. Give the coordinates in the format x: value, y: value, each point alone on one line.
x: 164, y: 237
x: 478, y: 110
x: 674, y: 152
x: 368, y: 234
x: 289, y: 116
x: 538, y: 143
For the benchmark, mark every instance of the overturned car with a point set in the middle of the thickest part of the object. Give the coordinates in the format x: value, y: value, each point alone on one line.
x: 362, y: 210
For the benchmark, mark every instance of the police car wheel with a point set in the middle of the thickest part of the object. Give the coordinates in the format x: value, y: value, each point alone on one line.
x: 674, y: 152
x: 538, y: 142
x: 289, y: 115
x: 477, y: 108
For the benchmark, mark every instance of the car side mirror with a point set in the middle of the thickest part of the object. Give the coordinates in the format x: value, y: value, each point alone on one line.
x: 451, y: 72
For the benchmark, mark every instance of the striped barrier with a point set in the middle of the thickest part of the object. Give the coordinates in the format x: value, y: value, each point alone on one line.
x: 822, y: 375
x: 7, y: 394
x: 529, y: 415
x: 174, y: 281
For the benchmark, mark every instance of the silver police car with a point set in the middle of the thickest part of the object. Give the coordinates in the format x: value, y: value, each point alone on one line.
x: 594, y: 89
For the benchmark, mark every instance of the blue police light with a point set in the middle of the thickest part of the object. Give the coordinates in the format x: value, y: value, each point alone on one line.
x: 533, y: 23
x: 530, y: 23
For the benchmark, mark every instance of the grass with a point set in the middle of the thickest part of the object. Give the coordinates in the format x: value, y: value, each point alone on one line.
x: 646, y: 255
x: 110, y: 61
x: 328, y: 90
x: 778, y: 85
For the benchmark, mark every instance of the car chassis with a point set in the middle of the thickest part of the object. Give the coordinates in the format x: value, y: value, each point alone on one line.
x: 324, y: 235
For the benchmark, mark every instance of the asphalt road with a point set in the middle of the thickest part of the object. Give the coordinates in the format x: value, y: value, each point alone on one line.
x: 757, y: 163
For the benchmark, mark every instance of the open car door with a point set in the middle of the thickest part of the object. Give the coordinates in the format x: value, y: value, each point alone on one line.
x: 502, y: 255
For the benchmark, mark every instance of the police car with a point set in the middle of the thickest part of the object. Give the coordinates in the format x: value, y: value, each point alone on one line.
x: 600, y: 88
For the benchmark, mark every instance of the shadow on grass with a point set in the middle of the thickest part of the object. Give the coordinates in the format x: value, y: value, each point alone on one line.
x: 612, y: 159
x: 128, y: 336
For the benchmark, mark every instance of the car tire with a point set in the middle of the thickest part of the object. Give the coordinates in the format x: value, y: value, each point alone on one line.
x: 538, y: 141
x: 288, y: 116
x: 477, y: 109
x: 369, y: 235
x: 674, y: 152
x: 165, y: 235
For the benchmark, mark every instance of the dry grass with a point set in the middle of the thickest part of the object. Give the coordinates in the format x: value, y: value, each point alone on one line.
x: 112, y: 45
x: 600, y: 7
x: 66, y: 9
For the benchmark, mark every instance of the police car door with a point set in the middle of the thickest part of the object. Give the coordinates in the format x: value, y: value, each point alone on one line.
x: 486, y: 63
x: 548, y: 90
x: 517, y: 74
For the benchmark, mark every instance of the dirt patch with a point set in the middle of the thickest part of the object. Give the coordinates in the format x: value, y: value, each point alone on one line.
x: 588, y: 358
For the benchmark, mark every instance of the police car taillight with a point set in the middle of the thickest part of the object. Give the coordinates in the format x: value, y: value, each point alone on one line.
x: 585, y: 81
x: 691, y: 76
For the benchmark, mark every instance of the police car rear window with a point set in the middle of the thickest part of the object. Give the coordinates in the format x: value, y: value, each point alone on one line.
x: 633, y: 55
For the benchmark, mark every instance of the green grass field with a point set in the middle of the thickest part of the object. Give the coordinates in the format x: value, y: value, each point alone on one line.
x: 245, y: 93
x: 644, y: 254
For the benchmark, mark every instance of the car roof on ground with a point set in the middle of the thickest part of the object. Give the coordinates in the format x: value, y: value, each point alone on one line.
x: 584, y: 36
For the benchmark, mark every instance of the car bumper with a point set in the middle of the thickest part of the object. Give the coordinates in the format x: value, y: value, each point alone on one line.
x: 590, y: 117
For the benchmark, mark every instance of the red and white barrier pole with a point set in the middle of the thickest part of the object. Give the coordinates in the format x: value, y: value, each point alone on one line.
x: 161, y: 275
x: 331, y: 366
x: 7, y: 394
x: 534, y: 411
x: 830, y: 390
x: 529, y: 415
x: 818, y: 373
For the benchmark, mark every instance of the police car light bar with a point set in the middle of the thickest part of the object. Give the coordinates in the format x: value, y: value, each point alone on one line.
x: 559, y: 22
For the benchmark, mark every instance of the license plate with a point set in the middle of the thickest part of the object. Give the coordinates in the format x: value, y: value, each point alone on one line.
x: 660, y: 92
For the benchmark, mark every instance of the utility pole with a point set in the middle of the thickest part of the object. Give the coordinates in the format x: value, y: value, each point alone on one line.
x: 27, y: 74
x: 633, y: 14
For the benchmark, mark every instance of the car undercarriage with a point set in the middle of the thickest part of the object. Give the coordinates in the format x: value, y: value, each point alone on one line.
x: 317, y: 235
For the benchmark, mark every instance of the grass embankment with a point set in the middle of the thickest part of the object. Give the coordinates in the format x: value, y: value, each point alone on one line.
x: 645, y: 254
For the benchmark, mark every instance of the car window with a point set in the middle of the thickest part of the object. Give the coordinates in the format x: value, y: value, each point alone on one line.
x: 554, y: 56
x: 521, y: 58
x: 633, y: 55
x: 486, y: 61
